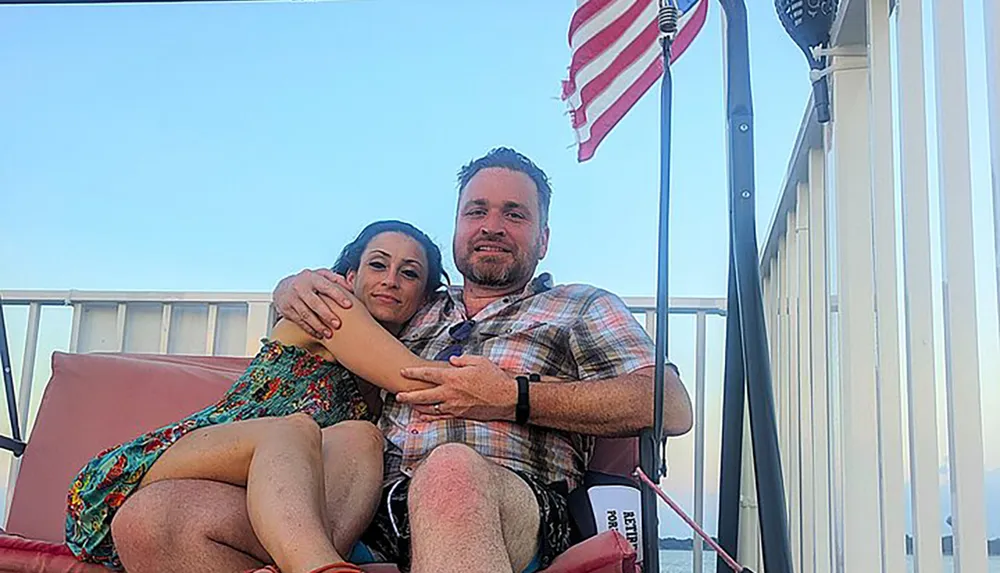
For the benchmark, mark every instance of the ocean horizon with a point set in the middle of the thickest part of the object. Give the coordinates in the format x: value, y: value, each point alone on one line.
x: 680, y: 561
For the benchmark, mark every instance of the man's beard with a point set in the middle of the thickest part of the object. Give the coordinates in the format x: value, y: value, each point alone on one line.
x: 497, y: 274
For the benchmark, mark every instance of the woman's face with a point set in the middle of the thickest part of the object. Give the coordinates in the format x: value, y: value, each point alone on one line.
x: 391, y: 278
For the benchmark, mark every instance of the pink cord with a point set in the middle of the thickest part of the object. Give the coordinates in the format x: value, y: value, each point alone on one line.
x: 677, y: 509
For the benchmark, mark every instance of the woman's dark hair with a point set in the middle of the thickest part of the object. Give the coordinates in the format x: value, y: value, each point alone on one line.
x: 350, y: 257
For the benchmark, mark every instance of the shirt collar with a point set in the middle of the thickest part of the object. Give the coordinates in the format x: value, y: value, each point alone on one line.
x: 537, y: 285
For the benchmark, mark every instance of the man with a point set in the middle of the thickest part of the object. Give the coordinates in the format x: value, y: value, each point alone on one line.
x: 486, y: 493
x: 478, y: 468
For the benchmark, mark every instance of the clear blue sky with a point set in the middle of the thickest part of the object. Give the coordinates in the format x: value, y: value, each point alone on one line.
x: 223, y: 146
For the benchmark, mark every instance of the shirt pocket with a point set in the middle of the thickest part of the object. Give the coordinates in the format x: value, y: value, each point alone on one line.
x: 528, y: 345
x: 513, y: 329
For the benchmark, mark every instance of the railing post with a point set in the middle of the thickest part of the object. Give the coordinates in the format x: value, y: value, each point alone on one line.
x: 699, y: 435
x: 210, y: 328
x: 258, y: 325
x: 792, y: 385
x: 918, y: 293
x: 818, y: 295
x: 28, y: 367
x: 781, y: 365
x: 991, y: 21
x: 962, y: 381
x: 862, y: 545
x: 886, y: 299
x: 165, y: 319
x: 74, y: 335
x: 804, y: 444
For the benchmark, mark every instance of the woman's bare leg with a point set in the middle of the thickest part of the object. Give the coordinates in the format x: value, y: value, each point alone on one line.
x: 280, y: 461
x: 202, y: 526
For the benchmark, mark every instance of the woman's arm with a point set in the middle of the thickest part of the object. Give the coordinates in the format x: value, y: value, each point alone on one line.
x: 363, y: 347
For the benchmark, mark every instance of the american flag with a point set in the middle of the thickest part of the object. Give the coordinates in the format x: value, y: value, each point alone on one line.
x: 616, y: 59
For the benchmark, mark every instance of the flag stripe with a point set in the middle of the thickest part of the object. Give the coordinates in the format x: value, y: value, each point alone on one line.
x: 581, y: 100
x: 616, y: 58
x: 596, y: 44
x: 598, y: 74
x: 587, y: 10
x: 615, y: 91
x: 603, y: 124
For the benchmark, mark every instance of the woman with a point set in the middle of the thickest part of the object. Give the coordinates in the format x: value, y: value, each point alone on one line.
x: 265, y: 432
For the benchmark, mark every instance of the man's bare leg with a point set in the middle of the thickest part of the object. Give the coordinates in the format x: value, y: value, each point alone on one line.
x: 203, y: 526
x: 187, y: 525
x: 468, y: 514
x: 352, y: 462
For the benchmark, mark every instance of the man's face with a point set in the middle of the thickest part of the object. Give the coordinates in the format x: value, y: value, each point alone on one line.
x: 499, y: 236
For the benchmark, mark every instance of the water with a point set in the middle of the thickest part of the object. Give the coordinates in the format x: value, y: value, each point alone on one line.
x: 680, y: 562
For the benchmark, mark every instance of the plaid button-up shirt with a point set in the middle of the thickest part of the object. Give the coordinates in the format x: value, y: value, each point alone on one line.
x: 574, y: 332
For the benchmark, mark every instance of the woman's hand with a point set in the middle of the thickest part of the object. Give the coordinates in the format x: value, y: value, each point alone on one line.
x: 298, y: 299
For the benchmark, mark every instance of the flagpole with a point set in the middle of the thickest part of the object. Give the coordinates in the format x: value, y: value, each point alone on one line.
x: 651, y: 460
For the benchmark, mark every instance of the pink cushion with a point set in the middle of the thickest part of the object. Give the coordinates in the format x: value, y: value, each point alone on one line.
x: 608, y: 552
x: 94, y: 401
x: 20, y: 555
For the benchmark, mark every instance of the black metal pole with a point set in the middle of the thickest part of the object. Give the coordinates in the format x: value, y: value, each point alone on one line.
x: 733, y: 400
x: 663, y: 270
x: 14, y: 444
x: 651, y: 462
x: 648, y: 452
x: 767, y: 457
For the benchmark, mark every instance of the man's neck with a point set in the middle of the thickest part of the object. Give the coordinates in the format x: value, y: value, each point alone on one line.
x: 477, y: 297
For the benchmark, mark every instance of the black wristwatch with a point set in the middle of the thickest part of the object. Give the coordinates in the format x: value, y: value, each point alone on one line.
x: 523, y: 409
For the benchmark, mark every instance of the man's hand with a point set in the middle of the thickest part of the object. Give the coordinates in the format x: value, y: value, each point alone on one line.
x: 476, y: 389
x: 304, y: 299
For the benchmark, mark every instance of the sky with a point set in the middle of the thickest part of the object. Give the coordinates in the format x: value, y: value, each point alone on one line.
x: 220, y: 147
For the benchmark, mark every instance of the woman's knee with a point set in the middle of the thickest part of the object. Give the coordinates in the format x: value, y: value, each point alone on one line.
x: 356, y: 442
x: 299, y: 427
x: 359, y: 434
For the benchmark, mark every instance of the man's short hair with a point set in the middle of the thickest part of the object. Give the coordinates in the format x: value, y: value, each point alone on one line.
x: 507, y: 158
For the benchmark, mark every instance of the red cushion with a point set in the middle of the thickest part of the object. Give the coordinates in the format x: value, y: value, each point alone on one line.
x: 609, y: 552
x: 20, y: 555
x: 95, y: 401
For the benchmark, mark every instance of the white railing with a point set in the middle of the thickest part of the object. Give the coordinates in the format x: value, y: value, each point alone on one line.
x: 233, y: 324
x: 842, y: 341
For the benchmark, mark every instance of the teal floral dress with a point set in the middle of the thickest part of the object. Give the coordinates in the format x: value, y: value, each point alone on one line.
x: 281, y: 380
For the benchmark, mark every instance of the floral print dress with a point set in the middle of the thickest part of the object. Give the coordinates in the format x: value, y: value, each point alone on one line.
x: 281, y: 380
